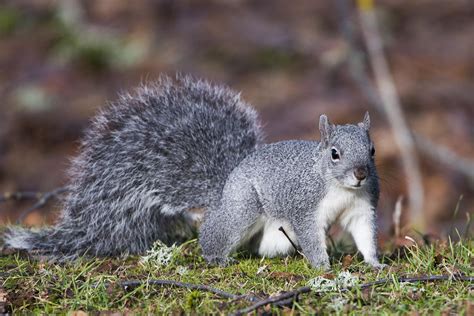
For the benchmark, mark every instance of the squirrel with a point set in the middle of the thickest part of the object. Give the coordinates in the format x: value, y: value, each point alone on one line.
x: 157, y: 162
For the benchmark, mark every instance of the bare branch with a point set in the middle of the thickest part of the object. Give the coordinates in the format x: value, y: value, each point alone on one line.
x: 425, y: 278
x: 20, y: 196
x: 44, y: 198
x: 288, y: 237
x: 445, y: 156
x: 135, y: 283
x: 397, y: 214
x: 273, y: 300
x: 305, y: 289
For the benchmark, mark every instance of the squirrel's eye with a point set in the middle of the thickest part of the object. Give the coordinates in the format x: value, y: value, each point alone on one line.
x: 335, y: 154
x: 372, y: 152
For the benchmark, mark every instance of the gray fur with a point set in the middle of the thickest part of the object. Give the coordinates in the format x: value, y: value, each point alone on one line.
x: 287, y: 181
x: 145, y: 160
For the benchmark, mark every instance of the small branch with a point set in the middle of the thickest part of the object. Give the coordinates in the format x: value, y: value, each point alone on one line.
x: 305, y: 289
x: 44, y: 198
x: 191, y: 286
x: 428, y: 278
x: 273, y: 300
x: 289, y: 239
x: 445, y: 156
x: 397, y: 214
x: 20, y: 196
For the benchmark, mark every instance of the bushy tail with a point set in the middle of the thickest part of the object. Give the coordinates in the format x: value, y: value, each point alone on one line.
x: 62, y: 243
x: 28, y: 239
x: 147, y: 162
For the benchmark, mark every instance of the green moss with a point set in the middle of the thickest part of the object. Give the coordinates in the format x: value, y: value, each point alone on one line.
x: 94, y: 285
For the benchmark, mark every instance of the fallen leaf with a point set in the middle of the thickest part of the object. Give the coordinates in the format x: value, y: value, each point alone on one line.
x: 347, y: 261
x: 286, y: 276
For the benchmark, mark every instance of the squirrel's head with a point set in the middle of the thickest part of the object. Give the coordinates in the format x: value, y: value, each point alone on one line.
x: 348, y: 152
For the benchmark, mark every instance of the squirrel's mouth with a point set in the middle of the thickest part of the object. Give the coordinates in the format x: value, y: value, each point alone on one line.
x: 351, y: 182
x: 356, y: 186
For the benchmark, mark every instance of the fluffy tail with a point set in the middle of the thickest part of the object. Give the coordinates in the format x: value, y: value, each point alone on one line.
x: 27, y: 239
x: 148, y: 164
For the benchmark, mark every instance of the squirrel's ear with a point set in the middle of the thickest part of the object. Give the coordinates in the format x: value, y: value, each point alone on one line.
x: 365, y: 124
x: 324, y: 129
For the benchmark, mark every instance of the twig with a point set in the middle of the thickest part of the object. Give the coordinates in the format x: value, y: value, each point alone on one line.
x: 445, y: 156
x: 44, y: 198
x: 305, y: 289
x: 134, y: 283
x: 20, y: 196
x: 397, y: 214
x: 468, y: 226
x: 248, y: 297
x: 288, y: 237
x: 428, y: 278
x: 273, y: 300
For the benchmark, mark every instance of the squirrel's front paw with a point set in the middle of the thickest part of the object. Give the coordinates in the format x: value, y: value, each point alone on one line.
x: 322, y: 263
x: 220, y: 261
x: 377, y: 265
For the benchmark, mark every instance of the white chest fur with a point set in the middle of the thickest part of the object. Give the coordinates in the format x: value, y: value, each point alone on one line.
x: 341, y: 202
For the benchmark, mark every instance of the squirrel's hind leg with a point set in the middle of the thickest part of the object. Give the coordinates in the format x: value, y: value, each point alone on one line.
x: 230, y: 225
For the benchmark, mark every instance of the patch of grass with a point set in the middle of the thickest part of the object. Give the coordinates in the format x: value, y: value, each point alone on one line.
x: 93, y: 285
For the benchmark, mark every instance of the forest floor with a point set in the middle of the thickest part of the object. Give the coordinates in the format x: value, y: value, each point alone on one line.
x: 125, y: 285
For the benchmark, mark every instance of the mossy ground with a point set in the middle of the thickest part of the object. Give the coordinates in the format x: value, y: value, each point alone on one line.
x: 28, y: 285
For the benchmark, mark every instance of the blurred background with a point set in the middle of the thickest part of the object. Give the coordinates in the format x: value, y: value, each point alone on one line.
x: 62, y: 60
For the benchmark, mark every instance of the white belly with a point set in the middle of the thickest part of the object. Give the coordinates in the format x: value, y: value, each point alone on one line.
x: 274, y: 243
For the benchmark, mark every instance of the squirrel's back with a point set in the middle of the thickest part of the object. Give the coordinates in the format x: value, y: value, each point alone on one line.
x: 147, y: 160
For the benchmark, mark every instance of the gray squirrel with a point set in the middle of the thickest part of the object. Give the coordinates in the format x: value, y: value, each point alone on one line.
x: 177, y: 152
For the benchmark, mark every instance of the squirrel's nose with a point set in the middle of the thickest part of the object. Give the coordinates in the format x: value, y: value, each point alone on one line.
x: 360, y: 173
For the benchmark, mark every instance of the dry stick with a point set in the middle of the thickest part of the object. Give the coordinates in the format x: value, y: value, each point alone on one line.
x: 288, y: 237
x: 428, y: 278
x: 397, y: 214
x: 272, y: 300
x: 134, y: 283
x: 392, y: 108
x: 446, y: 156
x: 41, y: 202
x: 305, y: 289
x: 20, y: 196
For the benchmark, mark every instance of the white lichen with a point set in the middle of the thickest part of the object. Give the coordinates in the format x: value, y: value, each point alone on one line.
x: 344, y: 280
x: 159, y: 254
x: 338, y: 303
x: 182, y: 270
